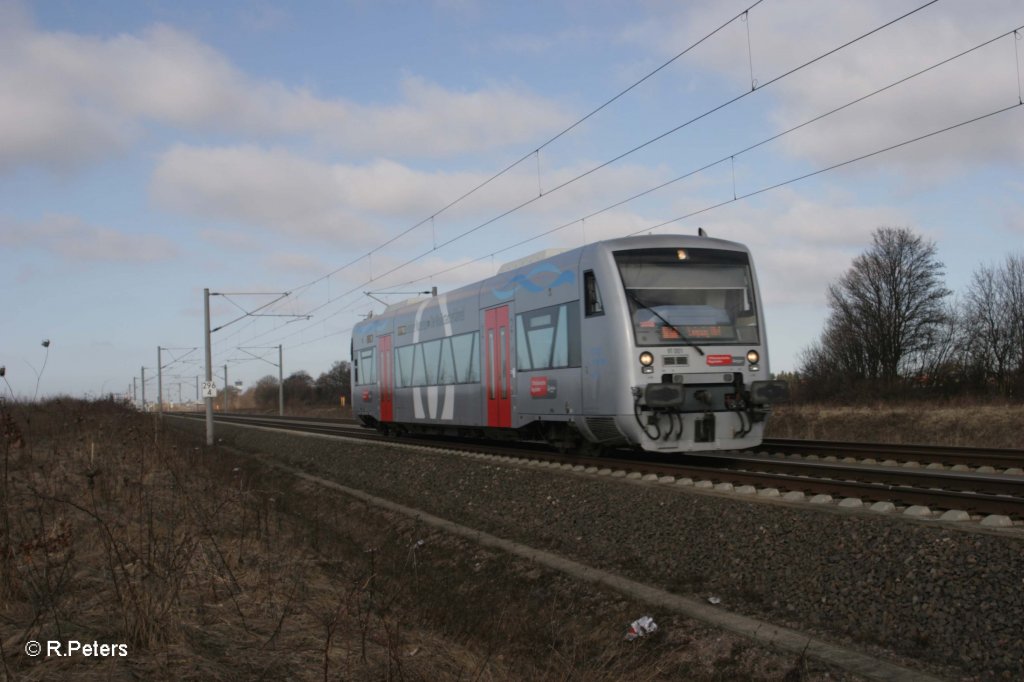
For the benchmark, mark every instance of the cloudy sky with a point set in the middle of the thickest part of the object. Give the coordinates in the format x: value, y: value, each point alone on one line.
x: 151, y: 149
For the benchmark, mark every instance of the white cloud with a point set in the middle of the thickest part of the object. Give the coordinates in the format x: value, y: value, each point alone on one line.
x: 275, y: 190
x: 798, y: 275
x: 799, y: 244
x: 68, y: 99
x: 840, y: 225
x: 430, y: 121
x: 787, y: 33
x: 295, y: 196
x: 42, y: 120
x: 363, y: 205
x: 72, y: 239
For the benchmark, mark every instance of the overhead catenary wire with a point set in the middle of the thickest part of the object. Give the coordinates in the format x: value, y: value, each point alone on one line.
x: 476, y: 188
x: 181, y: 358
x: 639, y: 147
x: 617, y: 158
x: 651, y: 141
x: 834, y: 166
x: 249, y: 313
x: 747, y: 195
x: 750, y: 52
x: 1016, y: 59
x: 303, y: 287
x: 731, y: 157
x: 741, y: 197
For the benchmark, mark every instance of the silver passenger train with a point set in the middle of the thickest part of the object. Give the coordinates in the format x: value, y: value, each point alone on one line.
x: 650, y: 342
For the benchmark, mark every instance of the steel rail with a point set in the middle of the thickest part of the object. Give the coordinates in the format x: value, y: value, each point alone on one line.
x: 1000, y: 458
x: 970, y: 491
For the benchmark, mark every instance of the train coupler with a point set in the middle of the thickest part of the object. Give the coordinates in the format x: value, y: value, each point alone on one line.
x: 704, y: 429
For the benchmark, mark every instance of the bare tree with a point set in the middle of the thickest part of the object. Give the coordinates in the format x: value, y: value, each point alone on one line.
x: 299, y: 388
x: 944, y: 362
x: 994, y: 323
x: 334, y: 383
x: 265, y: 392
x: 1012, y: 280
x: 988, y: 320
x: 886, y: 311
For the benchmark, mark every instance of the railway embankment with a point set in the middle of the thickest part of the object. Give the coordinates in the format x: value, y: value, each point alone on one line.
x: 128, y: 552
x: 949, y: 596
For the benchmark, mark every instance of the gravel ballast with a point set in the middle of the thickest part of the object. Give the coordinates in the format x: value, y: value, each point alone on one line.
x: 928, y: 591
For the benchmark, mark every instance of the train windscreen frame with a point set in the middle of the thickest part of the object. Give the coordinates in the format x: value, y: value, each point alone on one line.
x: 695, y: 296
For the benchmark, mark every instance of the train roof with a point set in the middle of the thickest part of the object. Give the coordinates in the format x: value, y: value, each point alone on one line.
x: 670, y: 241
x: 621, y: 243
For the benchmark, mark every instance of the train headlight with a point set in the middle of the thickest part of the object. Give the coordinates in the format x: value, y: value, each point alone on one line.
x: 753, y: 357
x: 646, y: 359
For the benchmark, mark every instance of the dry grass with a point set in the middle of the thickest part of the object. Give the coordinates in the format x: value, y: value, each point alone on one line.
x: 978, y: 425
x: 208, y: 565
x: 121, y: 534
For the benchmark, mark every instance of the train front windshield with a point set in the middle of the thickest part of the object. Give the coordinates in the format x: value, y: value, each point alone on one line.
x: 695, y: 296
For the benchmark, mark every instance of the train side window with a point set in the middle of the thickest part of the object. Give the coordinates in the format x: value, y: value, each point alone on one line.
x: 549, y: 338
x: 403, y: 358
x: 540, y: 333
x: 431, y: 359
x: 592, y: 295
x: 462, y: 348
x: 465, y: 348
x: 419, y: 377
x: 366, y: 373
x: 451, y: 360
x: 560, y: 351
x: 523, y: 360
x: 370, y: 361
x: 446, y: 374
x: 474, y: 359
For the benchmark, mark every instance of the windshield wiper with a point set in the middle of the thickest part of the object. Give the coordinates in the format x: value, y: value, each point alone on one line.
x: 668, y: 324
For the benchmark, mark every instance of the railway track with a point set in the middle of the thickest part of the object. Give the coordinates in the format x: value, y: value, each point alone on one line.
x: 978, y: 491
x: 995, y: 458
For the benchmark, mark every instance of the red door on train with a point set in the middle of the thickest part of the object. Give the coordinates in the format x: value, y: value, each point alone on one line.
x: 385, y: 378
x: 498, y: 367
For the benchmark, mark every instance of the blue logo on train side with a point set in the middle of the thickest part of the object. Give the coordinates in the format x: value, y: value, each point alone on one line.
x: 529, y: 283
x: 375, y: 326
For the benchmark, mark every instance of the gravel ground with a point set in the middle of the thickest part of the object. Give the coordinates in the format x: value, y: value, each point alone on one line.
x: 948, y: 596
